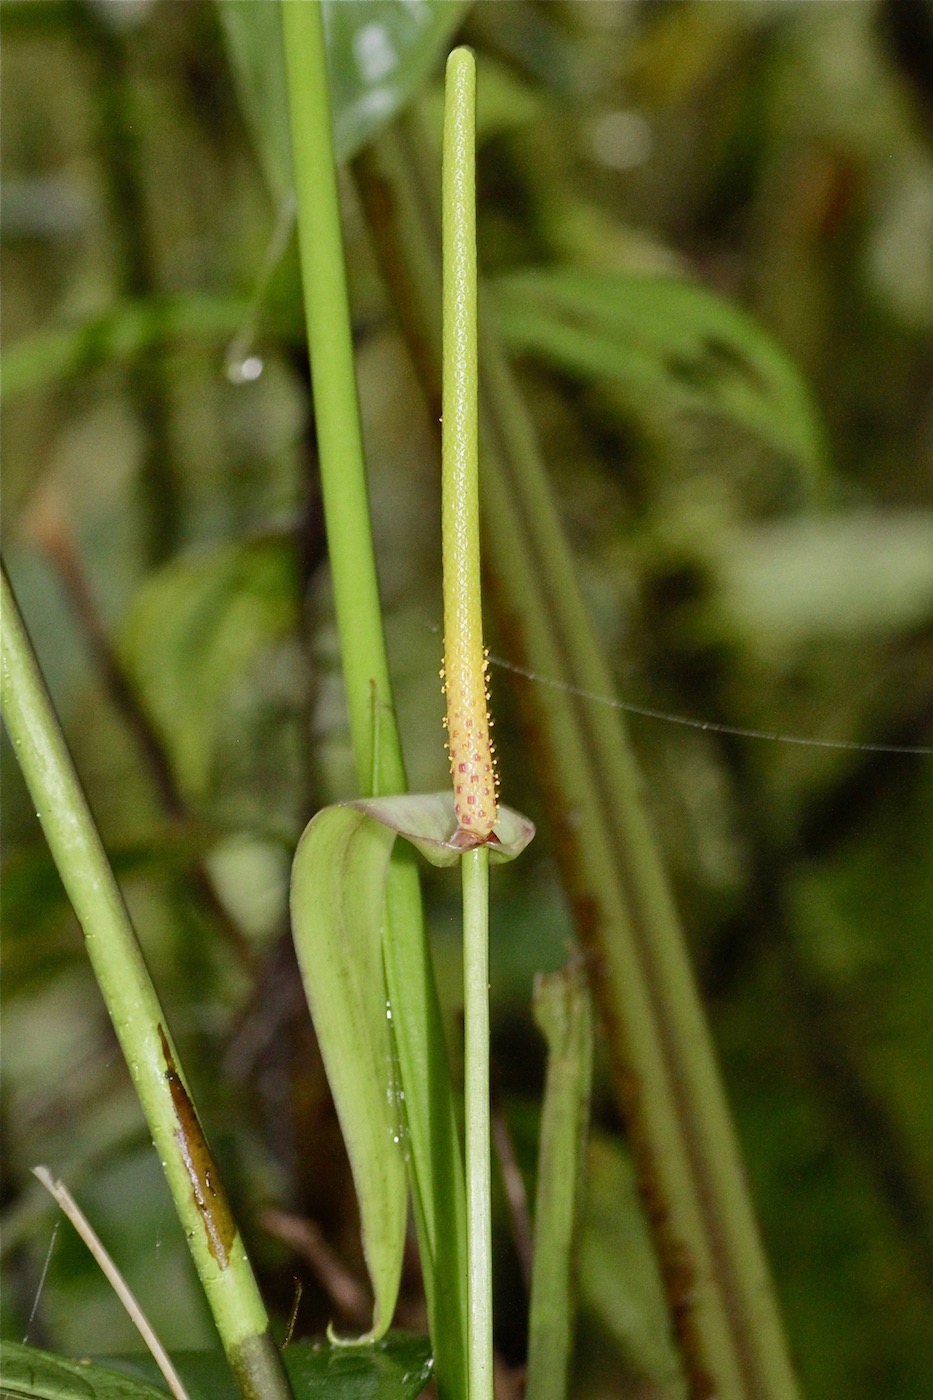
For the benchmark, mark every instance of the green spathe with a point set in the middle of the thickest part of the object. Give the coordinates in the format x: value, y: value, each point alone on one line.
x: 338, y: 909
x: 338, y: 920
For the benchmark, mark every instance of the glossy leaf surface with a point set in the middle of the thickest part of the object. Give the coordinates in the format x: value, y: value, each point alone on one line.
x: 26, y: 1373
x: 379, y: 53
x: 396, y: 1368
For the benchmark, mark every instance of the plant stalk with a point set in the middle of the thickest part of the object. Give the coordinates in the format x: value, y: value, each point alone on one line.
x: 435, y: 1153
x: 474, y: 866
x: 142, y: 1030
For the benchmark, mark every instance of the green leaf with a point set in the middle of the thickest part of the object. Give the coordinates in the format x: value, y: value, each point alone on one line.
x: 379, y: 52
x: 396, y: 1368
x: 39, y: 941
x: 195, y: 628
x: 337, y: 904
x: 672, y: 343
x: 119, y: 334
x: 26, y: 1373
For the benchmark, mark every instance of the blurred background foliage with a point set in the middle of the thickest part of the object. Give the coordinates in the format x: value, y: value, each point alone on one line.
x: 772, y: 572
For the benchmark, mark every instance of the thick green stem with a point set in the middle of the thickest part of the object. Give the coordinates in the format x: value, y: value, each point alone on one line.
x: 336, y: 408
x: 138, y: 1019
x: 475, y: 878
x: 435, y: 1154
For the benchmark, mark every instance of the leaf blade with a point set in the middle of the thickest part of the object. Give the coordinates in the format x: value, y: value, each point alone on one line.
x: 29, y: 1373
x: 396, y: 1368
x: 379, y: 53
x: 337, y: 903
x: 669, y: 338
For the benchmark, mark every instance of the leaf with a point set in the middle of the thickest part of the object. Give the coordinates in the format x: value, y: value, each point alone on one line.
x: 194, y: 628
x: 673, y: 343
x: 38, y: 931
x: 379, y: 54
x: 253, y: 36
x: 26, y: 1373
x: 117, y: 335
x: 337, y: 904
x: 397, y: 1368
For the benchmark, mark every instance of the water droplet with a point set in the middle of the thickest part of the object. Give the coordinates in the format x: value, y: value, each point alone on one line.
x: 245, y: 370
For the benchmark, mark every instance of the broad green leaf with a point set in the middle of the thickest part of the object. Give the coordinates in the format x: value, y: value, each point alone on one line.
x: 194, y: 629
x: 396, y: 1368
x: 379, y: 52
x: 428, y: 821
x: 38, y: 932
x: 337, y: 904
x: 26, y: 1373
x: 674, y: 345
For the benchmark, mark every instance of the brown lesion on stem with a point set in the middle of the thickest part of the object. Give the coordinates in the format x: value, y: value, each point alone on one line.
x: 209, y: 1196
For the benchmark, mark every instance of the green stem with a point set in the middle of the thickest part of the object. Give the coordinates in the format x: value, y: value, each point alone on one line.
x: 474, y: 867
x: 216, y: 1246
x: 336, y: 407
x: 436, y: 1161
